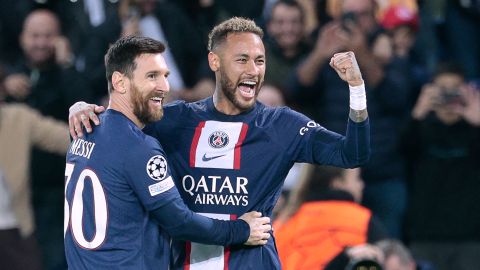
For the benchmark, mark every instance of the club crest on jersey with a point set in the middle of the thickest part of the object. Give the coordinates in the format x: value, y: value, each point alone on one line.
x: 157, y: 168
x: 218, y: 139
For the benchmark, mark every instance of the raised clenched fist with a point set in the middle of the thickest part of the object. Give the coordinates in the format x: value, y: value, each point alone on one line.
x: 347, y: 68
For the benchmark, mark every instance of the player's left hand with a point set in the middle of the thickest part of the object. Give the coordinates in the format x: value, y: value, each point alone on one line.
x: 259, y: 228
x: 346, y: 66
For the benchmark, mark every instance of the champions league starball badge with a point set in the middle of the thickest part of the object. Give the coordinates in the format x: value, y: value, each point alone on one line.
x: 157, y: 167
x: 218, y: 139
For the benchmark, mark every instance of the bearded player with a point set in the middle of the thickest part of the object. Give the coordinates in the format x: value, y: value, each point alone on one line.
x: 230, y: 154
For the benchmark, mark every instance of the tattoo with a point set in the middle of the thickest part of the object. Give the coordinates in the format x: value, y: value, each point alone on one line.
x: 358, y: 116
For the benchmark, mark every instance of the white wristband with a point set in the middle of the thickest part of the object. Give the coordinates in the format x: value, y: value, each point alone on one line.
x: 358, y: 97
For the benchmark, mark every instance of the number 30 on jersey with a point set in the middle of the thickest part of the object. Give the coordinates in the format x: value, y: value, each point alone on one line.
x: 73, y: 216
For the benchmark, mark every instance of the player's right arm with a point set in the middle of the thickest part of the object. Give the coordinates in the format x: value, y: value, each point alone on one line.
x: 183, y: 224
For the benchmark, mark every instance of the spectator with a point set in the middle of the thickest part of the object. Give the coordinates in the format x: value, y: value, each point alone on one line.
x: 402, y: 25
x: 151, y: 19
x: 90, y: 26
x: 21, y: 128
x: 442, y: 144
x: 285, y: 44
x: 396, y: 255
x: 387, y: 254
x: 46, y: 80
x: 323, y: 218
x: 388, y: 86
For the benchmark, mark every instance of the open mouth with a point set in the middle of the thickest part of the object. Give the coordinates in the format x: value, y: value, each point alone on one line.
x: 247, y: 88
x: 157, y: 100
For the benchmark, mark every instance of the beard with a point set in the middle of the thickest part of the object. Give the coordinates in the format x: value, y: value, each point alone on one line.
x: 141, y: 108
x: 229, y: 88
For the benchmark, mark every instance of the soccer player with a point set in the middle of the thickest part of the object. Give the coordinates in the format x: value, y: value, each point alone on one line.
x: 118, y: 182
x: 230, y: 153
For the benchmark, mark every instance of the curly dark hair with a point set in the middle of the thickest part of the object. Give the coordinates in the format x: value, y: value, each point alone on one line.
x: 234, y: 25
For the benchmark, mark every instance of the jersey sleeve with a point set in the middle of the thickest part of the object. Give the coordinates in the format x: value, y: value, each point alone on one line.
x: 150, y: 177
x: 307, y: 141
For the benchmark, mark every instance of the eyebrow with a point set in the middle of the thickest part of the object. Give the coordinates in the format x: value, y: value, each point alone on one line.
x: 248, y: 56
x: 167, y: 72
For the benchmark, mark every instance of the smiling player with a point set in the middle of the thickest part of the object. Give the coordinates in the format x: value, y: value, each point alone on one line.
x: 230, y: 154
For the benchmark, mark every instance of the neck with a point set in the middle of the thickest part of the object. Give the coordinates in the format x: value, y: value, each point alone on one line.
x: 119, y: 102
x: 223, y: 104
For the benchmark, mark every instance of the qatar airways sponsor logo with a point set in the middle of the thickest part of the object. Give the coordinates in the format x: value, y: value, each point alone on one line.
x: 217, y: 190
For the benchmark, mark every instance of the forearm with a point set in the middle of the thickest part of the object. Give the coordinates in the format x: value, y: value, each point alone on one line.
x: 183, y: 224
x: 356, y: 147
x: 358, y: 116
x: 358, y: 103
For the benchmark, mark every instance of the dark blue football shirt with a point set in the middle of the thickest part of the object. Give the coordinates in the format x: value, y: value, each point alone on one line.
x: 121, y: 204
x: 226, y: 165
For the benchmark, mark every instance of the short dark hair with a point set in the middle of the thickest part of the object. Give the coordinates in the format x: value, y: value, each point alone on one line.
x: 122, y: 54
x: 234, y: 25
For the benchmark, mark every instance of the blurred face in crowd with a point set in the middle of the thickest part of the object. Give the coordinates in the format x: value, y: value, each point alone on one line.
x: 449, y: 96
x: 286, y: 26
x: 149, y: 86
x: 364, y: 11
x: 239, y: 65
x: 271, y: 96
x: 351, y: 182
x: 40, y: 30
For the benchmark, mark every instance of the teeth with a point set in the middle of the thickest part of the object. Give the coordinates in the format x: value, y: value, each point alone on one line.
x: 250, y: 83
x: 156, y: 99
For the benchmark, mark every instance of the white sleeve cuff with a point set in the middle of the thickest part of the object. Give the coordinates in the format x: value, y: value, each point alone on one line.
x: 358, y: 97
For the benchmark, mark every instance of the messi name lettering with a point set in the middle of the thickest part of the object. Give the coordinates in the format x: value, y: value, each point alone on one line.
x: 81, y: 148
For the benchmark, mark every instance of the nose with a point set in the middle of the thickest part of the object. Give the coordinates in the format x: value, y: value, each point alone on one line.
x: 162, y: 84
x: 252, y: 68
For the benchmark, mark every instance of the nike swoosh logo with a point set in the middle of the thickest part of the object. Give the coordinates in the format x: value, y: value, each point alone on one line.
x: 205, y: 158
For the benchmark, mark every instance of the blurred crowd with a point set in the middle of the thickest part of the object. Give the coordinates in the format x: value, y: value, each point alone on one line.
x: 415, y: 205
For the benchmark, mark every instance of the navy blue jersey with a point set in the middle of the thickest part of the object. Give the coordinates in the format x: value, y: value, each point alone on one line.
x: 117, y: 178
x: 226, y: 165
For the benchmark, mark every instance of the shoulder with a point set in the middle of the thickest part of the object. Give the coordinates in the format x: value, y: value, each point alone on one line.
x: 280, y: 115
x: 180, y: 108
x: 123, y: 135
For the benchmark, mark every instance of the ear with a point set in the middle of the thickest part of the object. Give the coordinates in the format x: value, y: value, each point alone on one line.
x: 119, y: 82
x: 213, y: 61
